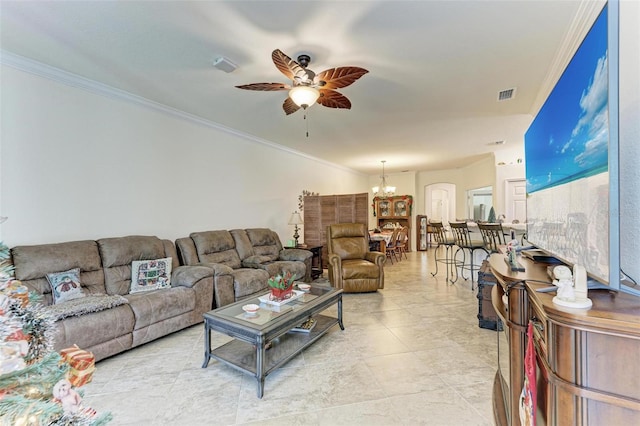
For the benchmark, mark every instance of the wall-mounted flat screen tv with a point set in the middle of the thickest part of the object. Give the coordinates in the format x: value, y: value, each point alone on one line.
x: 571, y: 152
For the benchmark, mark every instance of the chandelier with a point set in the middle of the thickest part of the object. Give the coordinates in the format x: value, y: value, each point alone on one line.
x: 383, y: 190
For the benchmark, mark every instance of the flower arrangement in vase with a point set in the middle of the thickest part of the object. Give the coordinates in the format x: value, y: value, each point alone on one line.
x: 281, y: 286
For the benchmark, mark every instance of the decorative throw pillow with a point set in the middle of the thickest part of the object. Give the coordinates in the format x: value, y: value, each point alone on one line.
x: 65, y: 285
x: 147, y: 275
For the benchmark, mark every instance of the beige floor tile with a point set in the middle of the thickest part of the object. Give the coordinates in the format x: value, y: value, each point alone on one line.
x: 410, y: 354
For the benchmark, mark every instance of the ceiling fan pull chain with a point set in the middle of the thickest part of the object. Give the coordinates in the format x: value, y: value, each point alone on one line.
x: 306, y: 122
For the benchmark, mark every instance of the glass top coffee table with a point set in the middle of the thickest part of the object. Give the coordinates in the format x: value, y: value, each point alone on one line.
x: 270, y: 327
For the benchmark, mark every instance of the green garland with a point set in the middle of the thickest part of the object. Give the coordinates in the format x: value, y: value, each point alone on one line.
x: 36, y: 324
x: 38, y: 377
x: 6, y: 268
x: 26, y: 395
x: 16, y: 408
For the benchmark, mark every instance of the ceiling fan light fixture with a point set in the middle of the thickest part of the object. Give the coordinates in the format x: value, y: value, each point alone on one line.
x: 304, y: 96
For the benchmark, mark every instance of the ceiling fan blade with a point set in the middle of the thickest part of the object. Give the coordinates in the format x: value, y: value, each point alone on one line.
x: 289, y: 106
x: 333, y: 99
x: 288, y: 66
x: 335, y: 78
x: 265, y: 87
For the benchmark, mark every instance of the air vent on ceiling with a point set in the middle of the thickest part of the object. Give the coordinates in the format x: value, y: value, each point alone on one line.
x: 507, y: 94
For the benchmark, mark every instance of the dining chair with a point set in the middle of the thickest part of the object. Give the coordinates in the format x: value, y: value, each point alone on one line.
x: 444, y: 240
x: 392, y: 248
x: 403, y: 242
x: 465, y: 242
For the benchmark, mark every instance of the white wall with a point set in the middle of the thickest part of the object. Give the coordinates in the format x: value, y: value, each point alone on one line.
x: 78, y: 165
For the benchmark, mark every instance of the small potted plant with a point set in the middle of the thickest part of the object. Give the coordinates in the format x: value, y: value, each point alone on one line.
x: 281, y: 286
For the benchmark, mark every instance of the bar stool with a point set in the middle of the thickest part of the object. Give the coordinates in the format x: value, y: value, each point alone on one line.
x: 465, y: 242
x: 443, y: 240
x: 493, y: 236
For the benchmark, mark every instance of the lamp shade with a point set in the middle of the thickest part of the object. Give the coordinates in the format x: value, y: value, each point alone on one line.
x: 295, y: 219
x: 304, y: 96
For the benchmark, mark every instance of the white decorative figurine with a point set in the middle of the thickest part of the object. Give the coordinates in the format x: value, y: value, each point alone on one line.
x: 69, y: 398
x: 572, y: 290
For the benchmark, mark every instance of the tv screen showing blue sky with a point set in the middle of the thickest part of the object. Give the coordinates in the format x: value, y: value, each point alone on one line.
x: 569, y: 137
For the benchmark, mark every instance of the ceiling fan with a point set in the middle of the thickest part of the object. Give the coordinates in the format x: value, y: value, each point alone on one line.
x: 308, y: 87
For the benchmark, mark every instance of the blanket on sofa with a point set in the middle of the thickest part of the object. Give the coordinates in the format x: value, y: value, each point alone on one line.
x: 83, y: 305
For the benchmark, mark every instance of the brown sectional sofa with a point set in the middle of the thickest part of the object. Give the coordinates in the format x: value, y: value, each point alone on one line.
x: 105, y: 273
x: 242, y: 260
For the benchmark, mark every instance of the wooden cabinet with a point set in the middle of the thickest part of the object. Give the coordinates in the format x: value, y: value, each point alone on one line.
x: 587, y: 360
x: 398, y: 207
x: 394, y: 210
x: 424, y: 233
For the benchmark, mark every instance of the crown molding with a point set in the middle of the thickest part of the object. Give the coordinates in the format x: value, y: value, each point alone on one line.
x: 588, y: 11
x: 74, y: 80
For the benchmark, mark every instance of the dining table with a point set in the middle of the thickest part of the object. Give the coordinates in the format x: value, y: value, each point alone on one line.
x: 381, y: 239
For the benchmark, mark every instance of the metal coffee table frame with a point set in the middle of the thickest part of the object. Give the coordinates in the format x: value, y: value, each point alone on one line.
x: 248, y: 353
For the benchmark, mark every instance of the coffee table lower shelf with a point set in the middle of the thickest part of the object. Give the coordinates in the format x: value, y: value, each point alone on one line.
x: 261, y: 359
x: 242, y: 355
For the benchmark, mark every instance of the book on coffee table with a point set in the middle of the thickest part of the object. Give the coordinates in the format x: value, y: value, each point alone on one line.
x: 306, y: 326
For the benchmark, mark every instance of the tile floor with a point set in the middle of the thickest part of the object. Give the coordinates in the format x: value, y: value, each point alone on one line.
x: 410, y: 354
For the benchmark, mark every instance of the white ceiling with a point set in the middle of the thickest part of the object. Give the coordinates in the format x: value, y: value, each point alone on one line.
x: 429, y: 100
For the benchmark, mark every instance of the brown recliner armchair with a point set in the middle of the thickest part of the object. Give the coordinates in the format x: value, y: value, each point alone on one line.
x: 352, y: 267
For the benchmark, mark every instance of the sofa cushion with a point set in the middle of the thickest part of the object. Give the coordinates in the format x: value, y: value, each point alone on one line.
x: 93, y: 328
x: 247, y: 281
x: 147, y: 275
x: 216, y: 247
x: 359, y: 268
x: 265, y: 242
x: 33, y: 263
x: 281, y: 267
x: 155, y: 306
x: 118, y: 254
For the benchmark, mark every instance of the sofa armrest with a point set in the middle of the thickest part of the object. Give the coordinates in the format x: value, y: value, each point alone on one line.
x: 223, y: 289
x: 299, y: 255
x: 188, y: 276
x: 255, y: 261
x: 375, y: 257
x: 217, y: 268
x: 335, y: 270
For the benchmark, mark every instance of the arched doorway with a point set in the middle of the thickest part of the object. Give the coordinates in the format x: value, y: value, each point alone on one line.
x: 440, y: 201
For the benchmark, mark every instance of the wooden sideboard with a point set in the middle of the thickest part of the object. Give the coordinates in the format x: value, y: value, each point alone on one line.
x: 588, y: 361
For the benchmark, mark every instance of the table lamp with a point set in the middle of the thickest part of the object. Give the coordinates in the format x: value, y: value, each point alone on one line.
x: 295, y: 220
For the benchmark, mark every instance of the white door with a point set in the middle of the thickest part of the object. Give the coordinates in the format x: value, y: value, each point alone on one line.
x: 516, y: 200
x: 440, y: 204
x: 440, y: 201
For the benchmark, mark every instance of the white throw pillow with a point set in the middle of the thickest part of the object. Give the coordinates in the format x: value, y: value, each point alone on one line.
x: 147, y: 275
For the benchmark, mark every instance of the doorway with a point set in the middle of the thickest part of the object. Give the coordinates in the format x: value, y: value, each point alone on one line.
x: 515, y: 200
x: 480, y: 201
x: 440, y: 201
